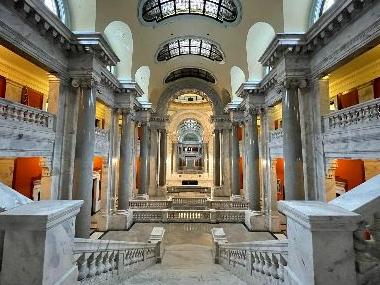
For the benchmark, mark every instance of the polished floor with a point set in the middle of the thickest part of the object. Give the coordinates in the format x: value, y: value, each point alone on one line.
x: 187, y: 258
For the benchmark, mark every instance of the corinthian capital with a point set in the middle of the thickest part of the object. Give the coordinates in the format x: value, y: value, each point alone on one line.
x: 84, y: 82
x: 295, y: 82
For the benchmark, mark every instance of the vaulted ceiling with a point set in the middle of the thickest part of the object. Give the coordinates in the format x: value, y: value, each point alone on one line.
x: 148, y: 37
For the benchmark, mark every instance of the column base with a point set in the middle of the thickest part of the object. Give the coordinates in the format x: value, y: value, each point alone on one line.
x: 255, y: 221
x: 121, y: 220
x: 236, y: 198
x: 142, y: 197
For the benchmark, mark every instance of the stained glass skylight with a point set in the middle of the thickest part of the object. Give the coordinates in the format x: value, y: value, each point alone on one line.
x: 190, y: 72
x: 220, y: 10
x: 193, y: 46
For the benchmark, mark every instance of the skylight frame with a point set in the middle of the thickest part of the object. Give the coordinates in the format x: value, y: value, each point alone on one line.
x: 190, y: 72
x: 222, y: 11
x: 189, y: 45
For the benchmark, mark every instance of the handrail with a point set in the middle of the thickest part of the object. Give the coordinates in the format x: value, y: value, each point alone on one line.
x: 99, y: 260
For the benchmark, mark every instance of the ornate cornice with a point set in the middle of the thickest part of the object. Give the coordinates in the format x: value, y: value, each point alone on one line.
x: 52, y: 28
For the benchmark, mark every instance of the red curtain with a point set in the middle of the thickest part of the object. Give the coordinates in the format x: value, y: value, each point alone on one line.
x: 348, y: 100
x: 376, y: 87
x: 32, y: 98
x: 3, y: 86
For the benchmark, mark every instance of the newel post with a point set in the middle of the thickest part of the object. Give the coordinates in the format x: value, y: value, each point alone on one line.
x: 38, y: 243
x: 320, y: 243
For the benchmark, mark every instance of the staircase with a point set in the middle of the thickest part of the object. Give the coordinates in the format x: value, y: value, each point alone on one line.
x: 186, y: 264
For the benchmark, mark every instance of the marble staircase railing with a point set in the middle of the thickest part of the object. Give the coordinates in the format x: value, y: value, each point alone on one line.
x: 261, y: 262
x: 19, y: 113
x: 365, y: 200
x: 357, y: 115
x: 187, y: 216
x: 110, y: 262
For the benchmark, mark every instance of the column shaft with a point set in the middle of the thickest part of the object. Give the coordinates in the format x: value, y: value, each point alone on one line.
x: 83, y: 162
x: 217, y: 158
x: 144, y: 161
x: 126, y: 160
x: 235, y: 157
x: 163, y: 142
x: 253, y: 163
x: 292, y: 149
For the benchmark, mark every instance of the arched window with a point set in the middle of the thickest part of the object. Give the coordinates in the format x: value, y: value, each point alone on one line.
x: 193, y: 46
x: 319, y: 8
x: 220, y: 10
x: 190, y: 72
x: 58, y: 8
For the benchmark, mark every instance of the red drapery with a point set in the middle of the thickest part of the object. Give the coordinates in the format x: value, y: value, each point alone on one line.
x: 32, y: 98
x: 376, y: 87
x: 348, y: 100
x: 3, y: 86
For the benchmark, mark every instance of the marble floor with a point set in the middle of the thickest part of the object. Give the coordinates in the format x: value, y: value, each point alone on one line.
x: 187, y: 258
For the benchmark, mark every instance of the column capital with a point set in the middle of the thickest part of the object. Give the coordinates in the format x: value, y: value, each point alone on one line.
x: 84, y: 82
x: 128, y: 112
x: 294, y: 82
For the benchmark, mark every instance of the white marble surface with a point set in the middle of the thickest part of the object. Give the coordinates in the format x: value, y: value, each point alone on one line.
x: 363, y: 199
x: 10, y: 198
x: 320, y: 248
x: 38, y: 243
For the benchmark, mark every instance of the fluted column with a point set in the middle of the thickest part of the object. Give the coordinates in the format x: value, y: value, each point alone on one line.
x: 252, y: 160
x: 294, y: 186
x: 217, y: 158
x: 235, y: 157
x: 84, y: 153
x: 144, y: 159
x: 163, y: 152
x: 126, y: 158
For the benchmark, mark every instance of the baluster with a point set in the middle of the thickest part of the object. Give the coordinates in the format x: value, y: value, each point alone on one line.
x: 268, y: 263
x: 275, y: 265
x: 83, y: 269
x: 264, y: 268
x: 105, y: 262
x: 99, y: 263
x: 282, y: 265
x: 91, y: 265
x: 258, y: 262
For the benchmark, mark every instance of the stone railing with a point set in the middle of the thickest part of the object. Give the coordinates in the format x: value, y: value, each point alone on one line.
x: 19, y: 113
x: 150, y: 204
x: 189, y: 202
x: 186, y: 203
x: 187, y: 216
x: 276, y: 135
x: 365, y: 200
x: 356, y: 115
x: 254, y: 262
x: 110, y: 262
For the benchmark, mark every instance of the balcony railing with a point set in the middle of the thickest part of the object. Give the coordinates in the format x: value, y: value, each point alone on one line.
x: 357, y: 115
x: 19, y: 113
x: 276, y: 135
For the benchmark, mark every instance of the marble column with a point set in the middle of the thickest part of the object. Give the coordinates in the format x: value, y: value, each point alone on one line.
x: 126, y: 158
x: 252, y: 161
x: 163, y: 143
x: 217, y: 158
x: 235, y: 157
x: 84, y: 154
x: 294, y: 185
x: 144, y: 160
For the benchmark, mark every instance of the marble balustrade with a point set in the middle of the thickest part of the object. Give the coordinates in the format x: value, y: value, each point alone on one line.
x: 16, y: 112
x: 255, y: 262
x: 359, y: 115
x: 102, y: 261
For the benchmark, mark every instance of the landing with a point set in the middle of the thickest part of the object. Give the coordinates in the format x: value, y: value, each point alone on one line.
x: 187, y: 264
x: 187, y: 258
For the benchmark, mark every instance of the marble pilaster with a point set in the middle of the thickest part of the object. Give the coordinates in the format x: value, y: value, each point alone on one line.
x: 217, y: 158
x: 163, y: 154
x: 235, y: 157
x: 144, y: 159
